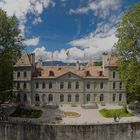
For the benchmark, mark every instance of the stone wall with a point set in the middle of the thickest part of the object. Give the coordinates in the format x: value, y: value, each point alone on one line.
x: 24, y: 131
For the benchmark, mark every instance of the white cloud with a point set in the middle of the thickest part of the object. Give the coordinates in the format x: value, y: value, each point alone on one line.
x: 74, y: 54
x: 101, y: 8
x: 96, y: 42
x: 21, y: 7
x: 37, y: 20
x: 32, y: 42
x: 41, y: 53
x: 91, y: 45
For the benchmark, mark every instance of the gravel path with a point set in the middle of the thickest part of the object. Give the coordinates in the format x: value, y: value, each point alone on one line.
x: 92, y: 116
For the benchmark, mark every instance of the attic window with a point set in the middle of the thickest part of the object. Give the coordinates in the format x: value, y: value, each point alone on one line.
x: 100, y: 73
x: 51, y: 73
x: 39, y: 72
x: 88, y: 73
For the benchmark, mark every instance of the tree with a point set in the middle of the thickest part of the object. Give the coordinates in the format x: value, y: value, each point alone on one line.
x: 128, y: 51
x: 10, y: 49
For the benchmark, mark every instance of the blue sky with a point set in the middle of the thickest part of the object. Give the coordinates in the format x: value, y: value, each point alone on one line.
x: 58, y: 26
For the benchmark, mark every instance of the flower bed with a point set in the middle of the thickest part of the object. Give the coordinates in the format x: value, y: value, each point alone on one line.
x: 71, y: 114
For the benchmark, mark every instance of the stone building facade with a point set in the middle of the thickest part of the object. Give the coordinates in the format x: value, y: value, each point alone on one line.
x: 36, y: 84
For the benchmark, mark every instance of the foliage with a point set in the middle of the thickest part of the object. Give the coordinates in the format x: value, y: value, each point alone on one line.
x: 27, y: 113
x: 98, y: 63
x: 109, y: 113
x: 10, y: 49
x: 128, y: 51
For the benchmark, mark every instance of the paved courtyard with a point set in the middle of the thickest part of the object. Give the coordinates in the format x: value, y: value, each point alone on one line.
x: 92, y: 116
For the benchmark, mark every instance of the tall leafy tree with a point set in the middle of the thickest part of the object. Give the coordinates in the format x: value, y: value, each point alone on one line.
x: 128, y: 51
x: 10, y: 49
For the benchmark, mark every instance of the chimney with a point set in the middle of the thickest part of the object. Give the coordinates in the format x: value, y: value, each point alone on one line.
x: 57, y: 66
x: 32, y: 59
x: 39, y: 63
x: 77, y: 65
x: 104, y: 60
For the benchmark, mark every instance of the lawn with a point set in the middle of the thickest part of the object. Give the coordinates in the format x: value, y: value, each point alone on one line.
x: 109, y: 113
x: 27, y: 113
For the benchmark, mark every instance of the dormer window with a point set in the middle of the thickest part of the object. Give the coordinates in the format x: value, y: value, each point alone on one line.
x: 39, y: 72
x: 100, y: 73
x: 88, y: 73
x: 51, y: 73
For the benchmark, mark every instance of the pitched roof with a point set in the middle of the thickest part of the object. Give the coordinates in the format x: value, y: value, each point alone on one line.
x: 23, y: 61
x: 87, y: 72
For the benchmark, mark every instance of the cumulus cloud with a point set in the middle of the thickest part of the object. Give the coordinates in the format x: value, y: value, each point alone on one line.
x: 74, y: 54
x: 100, y: 8
x: 37, y: 20
x: 96, y: 42
x: 32, y: 41
x: 22, y: 7
x: 90, y: 46
x: 103, y: 38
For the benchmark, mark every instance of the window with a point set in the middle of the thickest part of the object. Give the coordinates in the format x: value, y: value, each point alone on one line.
x: 114, y: 85
x: 61, y: 98
x: 24, y: 97
x: 25, y: 74
x: 77, y: 85
x: 69, y: 97
x: 37, y: 98
x: 114, y: 74
x: 77, y: 98
x: 88, y: 97
x: 18, y: 85
x: 37, y: 85
x: 50, y: 98
x: 120, y: 86
x: 100, y: 73
x: 51, y: 73
x: 69, y: 85
x: 101, y: 97
x: 18, y: 74
x: 18, y: 98
x: 43, y: 85
x: 114, y: 97
x: 88, y: 85
x: 61, y: 85
x: 120, y: 97
x: 24, y: 85
x: 50, y: 85
x: 88, y: 73
x: 38, y: 72
x: 101, y: 85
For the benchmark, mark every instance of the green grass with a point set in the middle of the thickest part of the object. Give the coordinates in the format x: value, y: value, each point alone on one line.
x: 27, y: 113
x: 109, y: 113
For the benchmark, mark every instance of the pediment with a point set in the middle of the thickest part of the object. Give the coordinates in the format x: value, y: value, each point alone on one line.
x: 70, y: 75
